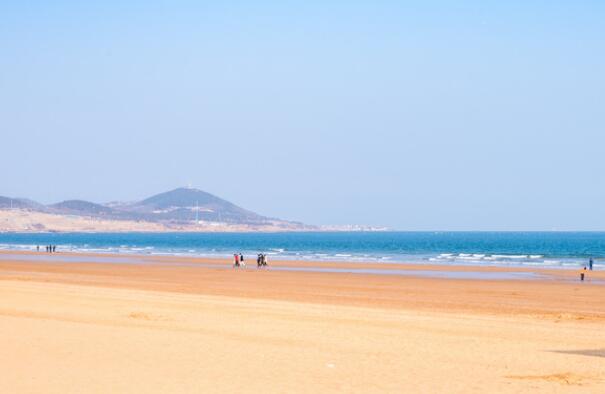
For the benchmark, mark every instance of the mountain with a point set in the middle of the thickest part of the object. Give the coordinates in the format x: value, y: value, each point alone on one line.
x: 182, y: 206
x: 182, y: 209
x: 81, y: 207
x: 20, y: 203
x: 186, y: 204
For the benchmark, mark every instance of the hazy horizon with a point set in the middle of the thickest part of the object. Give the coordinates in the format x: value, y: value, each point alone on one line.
x: 416, y: 116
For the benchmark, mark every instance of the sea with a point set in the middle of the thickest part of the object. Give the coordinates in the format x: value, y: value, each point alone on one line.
x: 516, y: 249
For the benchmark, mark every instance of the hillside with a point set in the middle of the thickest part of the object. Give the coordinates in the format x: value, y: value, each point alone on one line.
x: 184, y: 204
x: 17, y: 220
x: 181, y: 209
x: 20, y: 203
x: 82, y: 208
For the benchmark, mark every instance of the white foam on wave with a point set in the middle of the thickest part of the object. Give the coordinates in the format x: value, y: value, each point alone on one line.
x: 17, y: 247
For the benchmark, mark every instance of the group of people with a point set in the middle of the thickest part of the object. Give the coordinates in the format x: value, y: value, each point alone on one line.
x: 49, y: 248
x: 261, y: 260
x: 584, y: 269
x: 238, y: 260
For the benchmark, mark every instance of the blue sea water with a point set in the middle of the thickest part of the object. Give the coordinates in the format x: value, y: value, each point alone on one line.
x: 549, y: 249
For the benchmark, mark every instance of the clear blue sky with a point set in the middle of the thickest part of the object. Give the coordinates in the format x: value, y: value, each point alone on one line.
x: 482, y: 115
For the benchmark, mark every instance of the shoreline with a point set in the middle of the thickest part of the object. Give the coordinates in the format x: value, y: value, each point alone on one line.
x: 332, y: 262
x: 222, y: 262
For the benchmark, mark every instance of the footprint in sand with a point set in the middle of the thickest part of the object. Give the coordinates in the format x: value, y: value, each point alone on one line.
x: 565, y: 378
x: 144, y: 316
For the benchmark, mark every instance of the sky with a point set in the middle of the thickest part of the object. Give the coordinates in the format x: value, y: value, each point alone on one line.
x: 417, y: 115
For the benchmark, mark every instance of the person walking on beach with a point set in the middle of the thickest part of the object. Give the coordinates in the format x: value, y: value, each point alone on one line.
x: 37, y: 248
x: 590, y: 263
x: 236, y: 260
x: 241, y: 260
x: 258, y: 260
x: 582, y: 274
x: 264, y: 260
x: 54, y: 248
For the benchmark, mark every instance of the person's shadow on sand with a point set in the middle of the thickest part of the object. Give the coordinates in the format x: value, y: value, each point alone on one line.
x: 587, y: 352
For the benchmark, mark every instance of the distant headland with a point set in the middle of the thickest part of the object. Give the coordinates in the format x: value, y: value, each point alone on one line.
x: 178, y: 210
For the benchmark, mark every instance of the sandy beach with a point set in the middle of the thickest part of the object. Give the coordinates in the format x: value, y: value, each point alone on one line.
x: 102, y: 323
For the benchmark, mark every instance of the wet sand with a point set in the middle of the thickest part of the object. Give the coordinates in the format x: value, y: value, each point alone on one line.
x: 184, y: 325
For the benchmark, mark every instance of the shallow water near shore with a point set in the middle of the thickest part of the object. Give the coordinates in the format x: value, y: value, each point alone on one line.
x: 515, y: 249
x: 108, y: 259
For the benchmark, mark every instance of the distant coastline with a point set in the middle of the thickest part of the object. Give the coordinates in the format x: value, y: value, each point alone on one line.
x: 29, y: 221
x: 178, y: 210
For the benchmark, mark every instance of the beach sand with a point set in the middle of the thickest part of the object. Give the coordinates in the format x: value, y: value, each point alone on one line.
x: 179, y: 325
